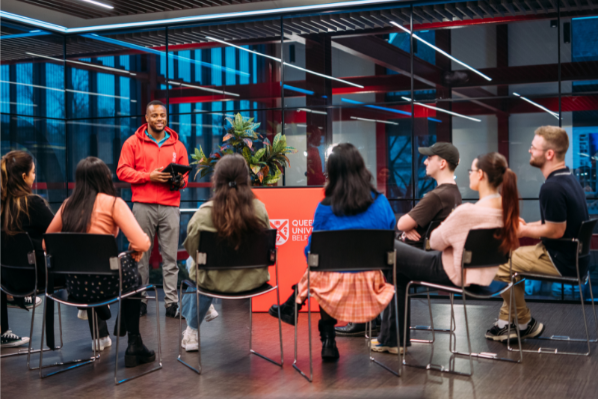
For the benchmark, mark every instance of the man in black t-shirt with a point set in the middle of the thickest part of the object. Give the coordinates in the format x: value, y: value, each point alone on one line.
x: 563, y: 208
x: 436, y: 205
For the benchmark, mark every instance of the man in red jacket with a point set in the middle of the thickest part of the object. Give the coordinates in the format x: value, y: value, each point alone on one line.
x: 155, y: 206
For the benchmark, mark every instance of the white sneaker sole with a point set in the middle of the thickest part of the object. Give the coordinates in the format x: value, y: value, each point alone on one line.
x: 98, y: 348
x: 191, y: 347
x: 22, y: 341
x: 211, y: 316
x: 381, y: 349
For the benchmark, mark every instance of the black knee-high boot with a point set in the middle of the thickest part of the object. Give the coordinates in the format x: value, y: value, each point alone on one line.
x: 287, y: 309
x: 327, y: 336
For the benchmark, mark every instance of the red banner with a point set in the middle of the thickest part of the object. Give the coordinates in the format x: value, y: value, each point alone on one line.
x: 291, y: 212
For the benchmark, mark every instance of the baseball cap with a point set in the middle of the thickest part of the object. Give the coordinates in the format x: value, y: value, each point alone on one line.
x: 446, y: 151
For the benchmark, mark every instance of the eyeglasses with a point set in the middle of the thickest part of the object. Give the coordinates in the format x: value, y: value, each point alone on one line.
x: 472, y: 170
x: 532, y: 148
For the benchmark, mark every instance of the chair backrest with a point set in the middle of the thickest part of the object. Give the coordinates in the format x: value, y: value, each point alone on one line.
x: 431, y: 227
x: 351, y: 250
x: 18, y: 252
x: 482, y: 249
x: 585, y: 236
x: 256, y: 250
x: 18, y: 263
x: 81, y: 253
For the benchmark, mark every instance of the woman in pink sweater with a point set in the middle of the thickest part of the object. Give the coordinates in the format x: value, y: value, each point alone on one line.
x: 488, y: 174
x: 94, y: 208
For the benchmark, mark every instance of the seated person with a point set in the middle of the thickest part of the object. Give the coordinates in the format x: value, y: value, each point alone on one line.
x: 563, y: 208
x: 487, y: 175
x: 350, y: 202
x: 22, y: 212
x: 436, y: 205
x: 94, y: 208
x: 233, y: 213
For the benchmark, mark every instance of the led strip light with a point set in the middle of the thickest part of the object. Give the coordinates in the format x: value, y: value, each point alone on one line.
x: 443, y: 110
x: 555, y: 114
x: 284, y: 63
x: 442, y: 51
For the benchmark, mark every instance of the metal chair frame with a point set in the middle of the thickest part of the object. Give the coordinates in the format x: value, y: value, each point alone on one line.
x: 433, y: 225
x: 33, y: 266
x: 200, y: 259
x: 464, y: 292
x: 314, y: 262
x: 81, y: 362
x: 565, y: 280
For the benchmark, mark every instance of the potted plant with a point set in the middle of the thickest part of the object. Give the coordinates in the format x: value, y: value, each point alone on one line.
x: 266, y: 164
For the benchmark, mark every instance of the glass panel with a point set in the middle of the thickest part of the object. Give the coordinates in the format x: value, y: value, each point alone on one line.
x: 32, y: 68
x: 45, y: 140
x: 115, y: 74
x: 221, y: 67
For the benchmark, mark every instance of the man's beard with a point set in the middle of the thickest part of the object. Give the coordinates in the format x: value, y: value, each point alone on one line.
x: 537, y: 162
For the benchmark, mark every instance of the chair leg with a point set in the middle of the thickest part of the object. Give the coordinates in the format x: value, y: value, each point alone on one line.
x: 429, y: 328
x: 199, y: 369
x: 311, y: 372
x: 593, y: 310
x: 159, y: 366
x: 251, y: 335
x: 76, y: 362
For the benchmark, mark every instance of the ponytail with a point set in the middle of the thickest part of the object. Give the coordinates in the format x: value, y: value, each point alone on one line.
x: 233, y: 213
x: 497, y: 170
x: 510, y: 211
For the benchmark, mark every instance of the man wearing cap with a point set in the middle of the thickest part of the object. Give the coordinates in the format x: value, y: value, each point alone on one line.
x: 437, y: 204
x: 441, y: 161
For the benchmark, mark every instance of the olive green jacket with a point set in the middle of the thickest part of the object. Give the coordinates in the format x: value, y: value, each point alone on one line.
x: 230, y: 281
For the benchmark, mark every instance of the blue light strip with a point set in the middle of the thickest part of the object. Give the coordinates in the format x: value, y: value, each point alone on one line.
x: 397, y: 111
x: 195, y: 18
x: 434, y: 120
x: 580, y: 18
x: 298, y: 90
x: 161, y: 53
x: 23, y: 35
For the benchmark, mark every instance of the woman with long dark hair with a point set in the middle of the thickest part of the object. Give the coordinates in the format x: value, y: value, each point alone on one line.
x: 233, y: 213
x: 351, y: 202
x: 94, y: 208
x: 498, y: 207
x: 22, y: 212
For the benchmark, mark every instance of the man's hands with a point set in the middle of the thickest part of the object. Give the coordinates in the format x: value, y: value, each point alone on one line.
x: 412, y: 235
x: 159, y: 177
x: 136, y: 255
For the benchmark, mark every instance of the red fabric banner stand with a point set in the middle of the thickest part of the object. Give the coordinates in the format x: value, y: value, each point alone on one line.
x: 291, y: 212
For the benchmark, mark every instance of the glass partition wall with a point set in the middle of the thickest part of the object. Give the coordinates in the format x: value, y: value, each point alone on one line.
x: 389, y: 79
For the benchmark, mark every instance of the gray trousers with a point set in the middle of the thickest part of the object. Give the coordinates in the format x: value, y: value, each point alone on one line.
x: 165, y: 220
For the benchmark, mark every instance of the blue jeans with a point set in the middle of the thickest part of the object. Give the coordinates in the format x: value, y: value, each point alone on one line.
x: 189, y: 311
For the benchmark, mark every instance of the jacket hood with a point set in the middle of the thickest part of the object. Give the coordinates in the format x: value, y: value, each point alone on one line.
x: 140, y: 133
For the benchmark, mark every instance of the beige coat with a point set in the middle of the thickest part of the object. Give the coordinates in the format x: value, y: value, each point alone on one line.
x: 229, y: 281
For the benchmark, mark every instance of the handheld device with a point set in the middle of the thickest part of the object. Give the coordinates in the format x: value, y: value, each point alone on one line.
x: 177, y: 173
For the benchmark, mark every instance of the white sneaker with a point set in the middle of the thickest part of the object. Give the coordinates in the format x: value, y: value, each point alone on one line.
x: 28, y: 303
x: 189, y: 341
x: 82, y: 314
x: 99, y: 347
x: 9, y: 340
x: 212, y: 314
x: 105, y: 342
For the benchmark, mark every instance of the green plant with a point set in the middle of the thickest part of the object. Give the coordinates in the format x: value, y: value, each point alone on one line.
x: 266, y: 164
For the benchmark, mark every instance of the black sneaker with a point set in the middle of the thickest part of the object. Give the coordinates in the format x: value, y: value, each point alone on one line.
x: 143, y: 309
x: 355, y: 330
x: 533, y: 329
x: 10, y: 340
x: 501, y: 334
x: 27, y: 301
x: 172, y: 310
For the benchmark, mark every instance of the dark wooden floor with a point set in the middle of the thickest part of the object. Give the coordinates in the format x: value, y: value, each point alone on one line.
x: 230, y: 372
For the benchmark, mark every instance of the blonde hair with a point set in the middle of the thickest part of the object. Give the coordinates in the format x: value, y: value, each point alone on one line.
x: 14, y: 189
x: 556, y: 138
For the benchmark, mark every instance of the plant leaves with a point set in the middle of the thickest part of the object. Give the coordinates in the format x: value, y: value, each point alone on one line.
x: 227, y: 137
x: 259, y: 154
x: 248, y: 142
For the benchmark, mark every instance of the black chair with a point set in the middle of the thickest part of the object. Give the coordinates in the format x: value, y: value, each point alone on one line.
x: 348, y: 250
x: 19, y: 261
x: 481, y: 250
x: 431, y: 227
x: 255, y: 251
x: 87, y: 255
x: 581, y: 247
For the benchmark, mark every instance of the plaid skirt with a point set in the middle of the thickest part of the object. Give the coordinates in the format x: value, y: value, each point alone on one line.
x: 351, y: 297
